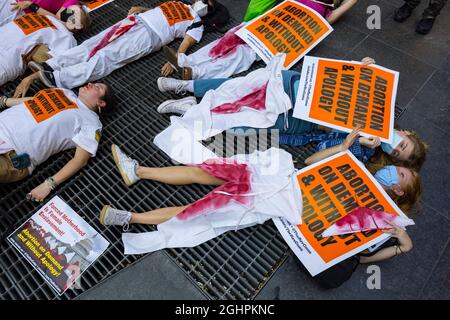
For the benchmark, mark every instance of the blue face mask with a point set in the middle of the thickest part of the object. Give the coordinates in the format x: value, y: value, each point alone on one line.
x: 387, y: 176
x: 389, y: 148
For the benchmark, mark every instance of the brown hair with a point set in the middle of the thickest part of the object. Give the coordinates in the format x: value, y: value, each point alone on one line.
x: 415, y: 162
x: 409, y: 201
x: 85, y: 21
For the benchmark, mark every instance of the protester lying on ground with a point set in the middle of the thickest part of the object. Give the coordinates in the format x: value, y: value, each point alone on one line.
x: 230, y: 55
x: 70, y: 12
x: 410, y: 150
x: 25, y: 37
x: 34, y: 128
x: 142, y: 32
x: 250, y: 190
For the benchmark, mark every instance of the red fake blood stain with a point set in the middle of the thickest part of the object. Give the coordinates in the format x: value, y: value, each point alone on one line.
x: 226, y: 45
x: 255, y: 100
x: 363, y: 219
x: 237, y: 183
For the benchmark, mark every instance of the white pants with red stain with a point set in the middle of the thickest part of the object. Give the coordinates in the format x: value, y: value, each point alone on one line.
x: 6, y: 14
x: 205, y: 67
x: 74, y: 68
x: 274, y: 192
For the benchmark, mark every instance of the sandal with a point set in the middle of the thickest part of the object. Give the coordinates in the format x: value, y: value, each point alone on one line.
x: 186, y: 73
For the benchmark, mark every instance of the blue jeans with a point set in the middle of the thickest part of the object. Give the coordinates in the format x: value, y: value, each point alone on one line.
x: 291, y: 81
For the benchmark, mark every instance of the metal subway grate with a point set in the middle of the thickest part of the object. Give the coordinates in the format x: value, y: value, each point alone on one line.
x: 235, y: 265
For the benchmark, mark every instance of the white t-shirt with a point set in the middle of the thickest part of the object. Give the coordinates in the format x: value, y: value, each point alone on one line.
x: 55, y: 120
x: 171, y: 19
x: 18, y: 37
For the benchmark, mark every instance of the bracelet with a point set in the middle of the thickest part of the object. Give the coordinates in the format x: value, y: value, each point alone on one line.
x: 3, y: 100
x: 51, y: 183
x: 34, y: 7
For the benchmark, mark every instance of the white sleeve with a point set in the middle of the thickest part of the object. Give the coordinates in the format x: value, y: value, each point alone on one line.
x: 196, y: 33
x: 88, y: 138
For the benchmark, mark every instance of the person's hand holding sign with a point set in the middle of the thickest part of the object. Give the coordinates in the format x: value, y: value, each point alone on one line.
x: 370, y: 142
x: 351, y: 138
x: 368, y: 61
x: 402, y: 236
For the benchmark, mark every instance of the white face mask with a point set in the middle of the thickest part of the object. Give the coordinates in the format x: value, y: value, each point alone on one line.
x: 201, y: 8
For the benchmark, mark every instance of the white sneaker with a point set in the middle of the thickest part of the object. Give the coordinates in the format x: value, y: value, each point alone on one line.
x: 179, y: 106
x: 114, y: 217
x: 170, y: 84
x: 126, y: 165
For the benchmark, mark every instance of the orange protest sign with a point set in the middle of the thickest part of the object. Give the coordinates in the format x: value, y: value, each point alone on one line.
x: 343, y: 94
x: 95, y: 4
x: 47, y: 103
x: 331, y: 189
x: 32, y: 22
x: 290, y: 28
x: 176, y: 12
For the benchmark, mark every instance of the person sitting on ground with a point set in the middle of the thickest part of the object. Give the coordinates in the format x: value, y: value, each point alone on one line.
x: 408, y: 150
x: 28, y: 37
x: 230, y: 55
x: 70, y: 12
x: 34, y: 128
x: 142, y: 32
x: 429, y: 15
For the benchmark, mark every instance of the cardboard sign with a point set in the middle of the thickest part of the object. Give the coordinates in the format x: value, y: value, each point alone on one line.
x: 32, y: 22
x: 58, y: 243
x: 343, y: 94
x: 290, y: 28
x: 92, y: 5
x: 331, y: 189
x: 176, y: 12
x: 46, y: 103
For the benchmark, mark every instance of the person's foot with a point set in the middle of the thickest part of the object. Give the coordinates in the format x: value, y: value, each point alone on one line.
x: 171, y: 56
x: 35, y: 67
x: 47, y: 78
x: 403, y: 13
x: 114, y: 217
x: 170, y: 84
x: 425, y: 25
x: 179, y: 106
x: 127, y: 166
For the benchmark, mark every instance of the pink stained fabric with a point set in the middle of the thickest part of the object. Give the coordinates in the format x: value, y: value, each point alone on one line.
x: 255, y: 100
x: 237, y: 182
x: 227, y: 45
x: 321, y: 9
x: 117, y: 31
x: 53, y: 6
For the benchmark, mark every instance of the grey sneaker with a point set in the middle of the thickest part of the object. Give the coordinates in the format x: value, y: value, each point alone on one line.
x: 171, y: 84
x: 126, y: 165
x: 35, y: 67
x: 114, y: 217
x: 179, y: 106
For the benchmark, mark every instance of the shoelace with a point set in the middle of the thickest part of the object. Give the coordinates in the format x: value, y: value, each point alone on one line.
x: 180, y: 89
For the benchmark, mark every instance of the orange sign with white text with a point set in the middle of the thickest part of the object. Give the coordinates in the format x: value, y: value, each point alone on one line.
x: 330, y: 191
x: 95, y: 4
x: 176, y: 12
x: 290, y: 28
x: 32, y: 22
x: 46, y: 103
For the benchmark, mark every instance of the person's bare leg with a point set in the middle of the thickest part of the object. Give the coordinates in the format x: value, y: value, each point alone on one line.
x: 156, y: 216
x: 178, y: 175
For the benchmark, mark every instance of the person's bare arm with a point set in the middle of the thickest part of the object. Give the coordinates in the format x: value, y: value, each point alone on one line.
x: 79, y: 160
x: 405, y: 245
x: 323, y: 154
x: 25, y: 84
x: 11, y: 102
x: 187, y: 43
x: 341, y: 10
